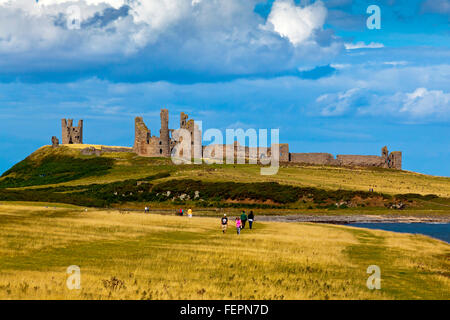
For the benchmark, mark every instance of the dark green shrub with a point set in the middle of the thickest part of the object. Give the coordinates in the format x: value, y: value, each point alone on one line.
x: 54, y: 169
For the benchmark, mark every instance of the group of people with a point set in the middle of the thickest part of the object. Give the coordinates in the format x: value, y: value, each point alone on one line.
x: 179, y: 212
x: 189, y: 213
x: 240, y: 222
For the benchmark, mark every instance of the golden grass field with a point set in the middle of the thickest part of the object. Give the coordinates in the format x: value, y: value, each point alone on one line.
x: 169, y: 257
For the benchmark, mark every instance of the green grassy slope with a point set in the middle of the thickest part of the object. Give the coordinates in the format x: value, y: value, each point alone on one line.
x: 54, y: 165
x: 124, y: 179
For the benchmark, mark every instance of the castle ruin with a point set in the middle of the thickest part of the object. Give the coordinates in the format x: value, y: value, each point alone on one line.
x: 146, y: 145
x: 71, y: 134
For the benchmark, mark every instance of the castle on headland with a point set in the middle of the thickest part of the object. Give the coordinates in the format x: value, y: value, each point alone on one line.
x: 71, y: 134
x: 146, y: 145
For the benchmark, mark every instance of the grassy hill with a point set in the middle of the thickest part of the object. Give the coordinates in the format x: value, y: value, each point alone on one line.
x: 63, y: 174
x: 137, y: 256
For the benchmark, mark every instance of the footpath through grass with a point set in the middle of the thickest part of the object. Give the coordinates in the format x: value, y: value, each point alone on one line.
x: 137, y: 256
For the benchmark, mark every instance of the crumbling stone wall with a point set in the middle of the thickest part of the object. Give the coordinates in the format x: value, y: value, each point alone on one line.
x: 314, y: 158
x: 250, y: 154
x: 395, y: 160
x: 361, y: 161
x: 386, y: 160
x: 144, y: 144
x: 55, y: 142
x: 90, y: 151
x: 141, y: 136
x: 284, y: 152
x: 71, y: 134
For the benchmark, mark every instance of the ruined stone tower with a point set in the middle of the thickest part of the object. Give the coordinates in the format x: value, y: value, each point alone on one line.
x: 71, y: 134
x: 152, y: 146
x: 141, y: 136
x: 183, y: 120
x: 395, y: 160
x: 164, y: 136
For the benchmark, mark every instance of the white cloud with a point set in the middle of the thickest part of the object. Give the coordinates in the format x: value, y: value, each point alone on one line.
x: 419, y: 105
x: 340, y: 65
x: 424, y: 102
x: 362, y: 45
x: 336, y: 104
x: 147, y: 20
x: 396, y: 63
x: 220, y: 36
x: 25, y: 24
x: 294, y: 22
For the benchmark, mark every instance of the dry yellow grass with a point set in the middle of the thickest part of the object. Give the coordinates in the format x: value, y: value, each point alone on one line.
x: 168, y: 257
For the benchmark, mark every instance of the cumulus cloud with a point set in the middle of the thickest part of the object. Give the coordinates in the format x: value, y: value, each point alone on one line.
x: 424, y: 102
x: 45, y: 24
x: 160, y: 39
x: 296, y: 23
x: 407, y: 94
x: 421, y: 105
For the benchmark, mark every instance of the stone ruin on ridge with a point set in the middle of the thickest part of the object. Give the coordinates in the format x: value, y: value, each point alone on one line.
x: 146, y: 145
x: 71, y: 134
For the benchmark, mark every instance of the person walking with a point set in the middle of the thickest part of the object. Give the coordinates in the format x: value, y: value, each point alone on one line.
x: 190, y: 213
x: 238, y: 225
x: 251, y: 218
x: 243, y: 219
x: 224, y: 223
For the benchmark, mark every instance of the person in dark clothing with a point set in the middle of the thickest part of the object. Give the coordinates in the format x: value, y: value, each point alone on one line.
x: 224, y: 223
x: 243, y: 219
x: 251, y: 218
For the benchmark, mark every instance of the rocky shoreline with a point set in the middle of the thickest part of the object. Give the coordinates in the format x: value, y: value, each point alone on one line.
x: 355, y: 219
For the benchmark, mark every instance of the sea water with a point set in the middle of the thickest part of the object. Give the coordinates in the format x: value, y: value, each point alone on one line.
x: 436, y: 230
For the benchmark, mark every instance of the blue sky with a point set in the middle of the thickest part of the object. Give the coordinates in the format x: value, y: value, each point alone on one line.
x: 311, y: 68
